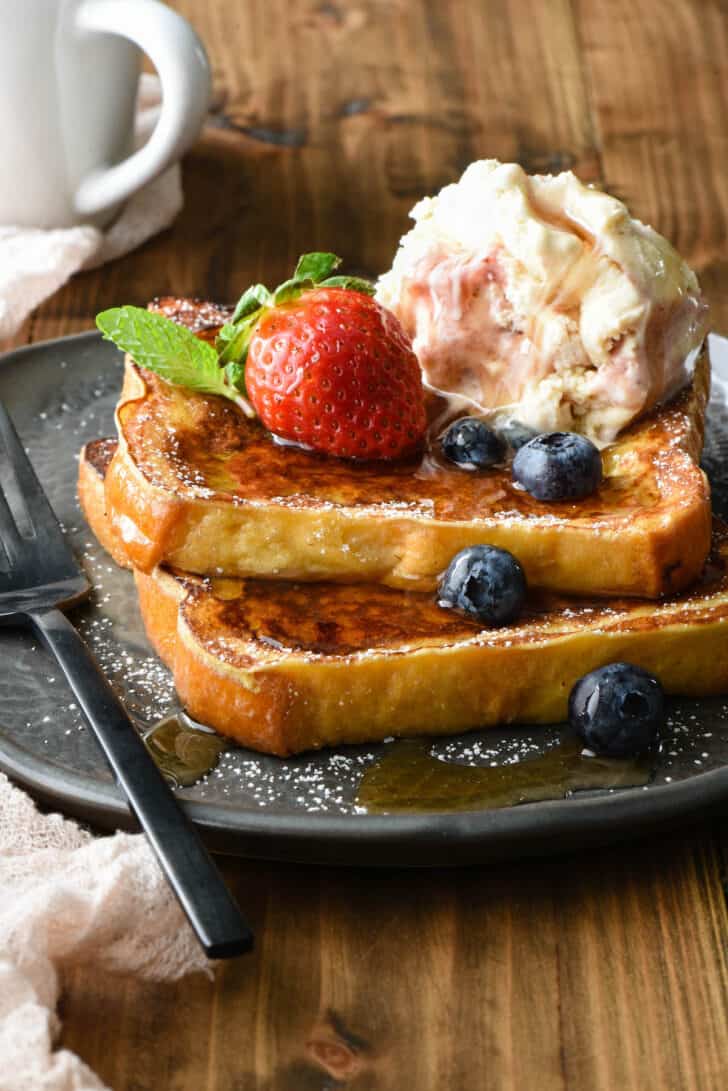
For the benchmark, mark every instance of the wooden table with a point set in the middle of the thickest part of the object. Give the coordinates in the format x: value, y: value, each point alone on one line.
x: 604, y: 970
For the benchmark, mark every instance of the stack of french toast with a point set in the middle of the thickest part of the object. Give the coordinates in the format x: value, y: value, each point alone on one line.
x: 293, y: 592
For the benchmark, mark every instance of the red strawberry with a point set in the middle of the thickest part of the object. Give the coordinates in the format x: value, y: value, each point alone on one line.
x: 327, y: 366
x: 336, y: 371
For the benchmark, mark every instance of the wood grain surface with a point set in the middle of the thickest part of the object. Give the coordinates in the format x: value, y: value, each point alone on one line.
x: 598, y: 971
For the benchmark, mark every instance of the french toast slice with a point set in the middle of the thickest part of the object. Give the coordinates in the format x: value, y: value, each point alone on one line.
x: 196, y: 485
x: 284, y: 667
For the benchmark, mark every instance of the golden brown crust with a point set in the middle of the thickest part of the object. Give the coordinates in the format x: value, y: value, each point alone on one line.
x: 284, y: 668
x: 290, y: 699
x: 92, y: 467
x: 198, y: 315
x: 160, y: 597
x: 195, y: 484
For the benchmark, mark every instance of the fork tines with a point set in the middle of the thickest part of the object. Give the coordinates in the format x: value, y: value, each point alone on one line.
x: 30, y: 536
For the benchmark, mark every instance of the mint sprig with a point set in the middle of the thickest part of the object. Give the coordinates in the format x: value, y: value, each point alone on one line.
x: 169, y: 350
x: 174, y: 353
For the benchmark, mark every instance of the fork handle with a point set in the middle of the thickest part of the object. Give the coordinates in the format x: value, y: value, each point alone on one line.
x: 191, y: 873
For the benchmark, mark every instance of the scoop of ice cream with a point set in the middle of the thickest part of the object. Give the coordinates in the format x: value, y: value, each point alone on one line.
x: 542, y: 298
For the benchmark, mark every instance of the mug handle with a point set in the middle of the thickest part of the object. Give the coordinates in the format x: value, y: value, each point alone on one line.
x: 184, y: 72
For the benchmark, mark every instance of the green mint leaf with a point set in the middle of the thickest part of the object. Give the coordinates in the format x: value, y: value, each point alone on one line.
x: 169, y: 350
x: 291, y: 289
x: 316, y: 266
x: 251, y: 300
x: 351, y: 284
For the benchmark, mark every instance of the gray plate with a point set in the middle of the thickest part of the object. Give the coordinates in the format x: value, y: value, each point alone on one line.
x: 61, y: 394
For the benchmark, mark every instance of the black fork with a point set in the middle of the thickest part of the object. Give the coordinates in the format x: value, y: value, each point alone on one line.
x: 38, y: 576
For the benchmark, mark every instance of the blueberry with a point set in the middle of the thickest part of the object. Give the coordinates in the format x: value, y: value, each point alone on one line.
x: 516, y: 434
x: 617, y: 710
x: 486, y: 582
x: 558, y: 466
x: 470, y: 442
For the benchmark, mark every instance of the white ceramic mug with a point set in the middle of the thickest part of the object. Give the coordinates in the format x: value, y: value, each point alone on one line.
x: 68, y: 78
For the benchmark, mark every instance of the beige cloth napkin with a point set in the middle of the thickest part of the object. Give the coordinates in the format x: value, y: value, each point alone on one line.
x: 69, y: 899
x: 34, y: 263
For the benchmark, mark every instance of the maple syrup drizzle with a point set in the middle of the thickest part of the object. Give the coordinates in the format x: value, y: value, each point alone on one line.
x: 409, y: 779
x: 184, y: 750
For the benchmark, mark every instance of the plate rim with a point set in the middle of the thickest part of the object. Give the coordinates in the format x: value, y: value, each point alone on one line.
x: 432, y: 838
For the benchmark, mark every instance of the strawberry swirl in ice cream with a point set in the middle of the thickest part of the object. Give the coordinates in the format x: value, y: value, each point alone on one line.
x: 541, y: 298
